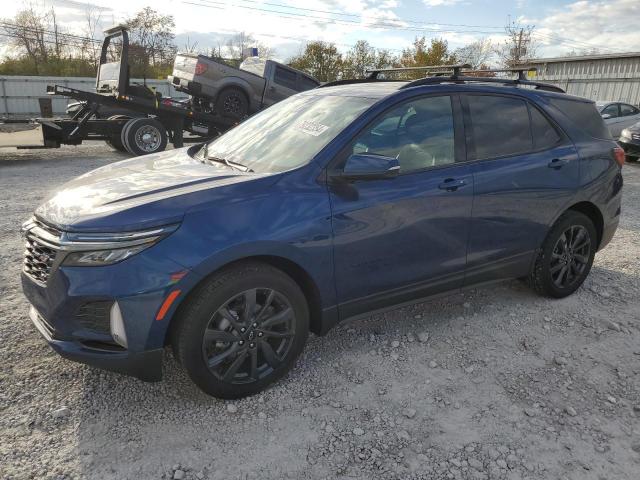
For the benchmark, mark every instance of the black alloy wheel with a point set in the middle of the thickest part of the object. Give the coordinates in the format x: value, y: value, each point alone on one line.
x: 241, y: 329
x: 249, y: 336
x: 570, y: 256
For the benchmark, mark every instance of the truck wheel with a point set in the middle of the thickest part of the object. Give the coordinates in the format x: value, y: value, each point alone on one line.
x: 142, y: 136
x: 232, y: 102
x: 115, y: 141
x: 241, y: 330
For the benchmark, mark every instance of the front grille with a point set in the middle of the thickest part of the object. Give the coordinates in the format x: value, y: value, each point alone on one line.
x: 635, y: 136
x: 94, y: 316
x: 41, y: 249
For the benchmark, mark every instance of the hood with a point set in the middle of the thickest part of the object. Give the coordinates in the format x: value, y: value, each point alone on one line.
x: 137, y: 193
x: 635, y: 128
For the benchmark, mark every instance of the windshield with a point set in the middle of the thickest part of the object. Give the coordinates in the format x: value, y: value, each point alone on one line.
x: 288, y: 134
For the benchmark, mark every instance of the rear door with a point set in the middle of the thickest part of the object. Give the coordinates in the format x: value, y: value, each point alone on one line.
x: 525, y: 171
x: 281, y: 83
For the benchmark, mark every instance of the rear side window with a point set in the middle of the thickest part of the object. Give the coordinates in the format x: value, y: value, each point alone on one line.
x: 307, y: 83
x: 544, y: 134
x: 584, y: 115
x: 285, y: 77
x: 500, y: 126
x: 627, y: 110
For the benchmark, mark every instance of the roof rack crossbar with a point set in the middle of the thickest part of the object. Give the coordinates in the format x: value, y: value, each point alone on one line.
x: 503, y: 81
x: 521, y: 71
x: 373, y: 74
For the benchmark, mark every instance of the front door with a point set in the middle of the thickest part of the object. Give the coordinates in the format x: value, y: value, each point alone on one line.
x: 404, y: 238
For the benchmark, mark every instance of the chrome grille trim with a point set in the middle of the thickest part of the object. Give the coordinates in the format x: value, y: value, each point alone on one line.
x: 42, y: 244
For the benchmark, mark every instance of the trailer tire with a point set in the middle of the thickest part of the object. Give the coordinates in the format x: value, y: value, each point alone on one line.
x: 142, y: 136
x: 232, y: 102
x: 115, y: 141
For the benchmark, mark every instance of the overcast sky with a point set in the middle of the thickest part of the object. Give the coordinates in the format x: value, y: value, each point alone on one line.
x: 608, y: 26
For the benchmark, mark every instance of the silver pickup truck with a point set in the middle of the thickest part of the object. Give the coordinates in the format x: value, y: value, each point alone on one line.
x: 219, y: 88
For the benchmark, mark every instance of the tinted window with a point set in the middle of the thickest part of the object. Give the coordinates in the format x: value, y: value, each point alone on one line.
x: 544, y: 134
x: 499, y: 125
x: 285, y: 77
x: 611, y: 110
x: 419, y: 133
x: 583, y: 115
x: 626, y: 110
x: 307, y: 83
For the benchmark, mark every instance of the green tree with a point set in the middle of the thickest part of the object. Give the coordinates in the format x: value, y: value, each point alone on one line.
x: 363, y: 57
x: 421, y: 54
x: 151, y: 43
x: 319, y: 59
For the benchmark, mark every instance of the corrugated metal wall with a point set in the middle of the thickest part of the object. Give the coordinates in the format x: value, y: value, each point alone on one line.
x: 20, y: 94
x: 609, y: 79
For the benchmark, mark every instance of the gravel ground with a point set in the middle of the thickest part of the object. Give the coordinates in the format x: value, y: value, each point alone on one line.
x: 493, y: 383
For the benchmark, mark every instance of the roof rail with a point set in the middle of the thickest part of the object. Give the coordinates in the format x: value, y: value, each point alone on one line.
x: 503, y: 81
x: 349, y: 81
x: 519, y: 70
x: 439, y: 69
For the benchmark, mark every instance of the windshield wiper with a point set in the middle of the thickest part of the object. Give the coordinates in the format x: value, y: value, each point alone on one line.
x: 229, y: 163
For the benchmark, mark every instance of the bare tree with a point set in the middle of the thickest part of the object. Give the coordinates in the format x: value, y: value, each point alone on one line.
x: 477, y: 54
x: 519, y: 47
x: 92, y: 20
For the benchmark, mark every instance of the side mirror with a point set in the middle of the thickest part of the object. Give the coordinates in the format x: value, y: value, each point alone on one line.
x: 366, y: 166
x: 606, y: 116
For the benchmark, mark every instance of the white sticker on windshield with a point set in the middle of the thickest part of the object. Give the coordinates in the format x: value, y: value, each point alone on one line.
x: 312, y: 128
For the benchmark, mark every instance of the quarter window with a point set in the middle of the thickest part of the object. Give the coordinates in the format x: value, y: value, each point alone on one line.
x: 499, y: 126
x: 419, y: 133
x: 544, y: 134
x: 285, y: 77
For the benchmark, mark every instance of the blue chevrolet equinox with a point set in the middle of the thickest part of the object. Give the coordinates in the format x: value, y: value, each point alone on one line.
x: 350, y: 198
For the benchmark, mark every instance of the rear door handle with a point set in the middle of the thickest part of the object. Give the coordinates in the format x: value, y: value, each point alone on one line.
x: 452, y: 184
x: 557, y: 163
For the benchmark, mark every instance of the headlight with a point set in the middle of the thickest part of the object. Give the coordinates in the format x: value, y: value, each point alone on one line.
x: 102, y: 257
x: 97, y: 249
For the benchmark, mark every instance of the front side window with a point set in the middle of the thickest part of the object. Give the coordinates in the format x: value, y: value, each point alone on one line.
x: 288, y: 134
x: 611, y: 110
x: 418, y: 132
x: 499, y: 126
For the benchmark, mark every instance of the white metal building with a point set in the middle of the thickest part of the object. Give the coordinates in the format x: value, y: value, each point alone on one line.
x: 19, y: 94
x: 612, y: 77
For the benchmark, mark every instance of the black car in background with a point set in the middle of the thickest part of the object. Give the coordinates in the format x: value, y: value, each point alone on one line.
x: 630, y: 141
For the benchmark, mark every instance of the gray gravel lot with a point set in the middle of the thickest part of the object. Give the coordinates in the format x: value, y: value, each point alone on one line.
x: 493, y: 383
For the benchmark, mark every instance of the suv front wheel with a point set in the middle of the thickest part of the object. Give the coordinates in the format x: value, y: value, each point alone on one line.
x: 566, y: 256
x: 242, y: 330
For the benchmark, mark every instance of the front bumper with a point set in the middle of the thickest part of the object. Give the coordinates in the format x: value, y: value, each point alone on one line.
x: 630, y: 146
x: 146, y: 366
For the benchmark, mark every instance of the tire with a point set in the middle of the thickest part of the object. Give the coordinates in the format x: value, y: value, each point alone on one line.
x: 232, y: 102
x: 136, y: 132
x: 272, y: 336
x: 115, y: 142
x: 629, y: 159
x: 547, y: 277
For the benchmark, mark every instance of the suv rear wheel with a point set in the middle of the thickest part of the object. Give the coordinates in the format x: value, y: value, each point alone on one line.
x: 566, y: 256
x: 242, y: 330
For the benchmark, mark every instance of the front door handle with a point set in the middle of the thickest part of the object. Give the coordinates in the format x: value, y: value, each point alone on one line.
x: 452, y: 184
x: 557, y: 163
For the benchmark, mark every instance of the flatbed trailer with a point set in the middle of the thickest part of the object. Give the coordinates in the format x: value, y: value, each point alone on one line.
x: 161, y: 119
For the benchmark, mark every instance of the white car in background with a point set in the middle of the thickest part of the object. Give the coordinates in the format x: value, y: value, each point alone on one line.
x: 618, y: 116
